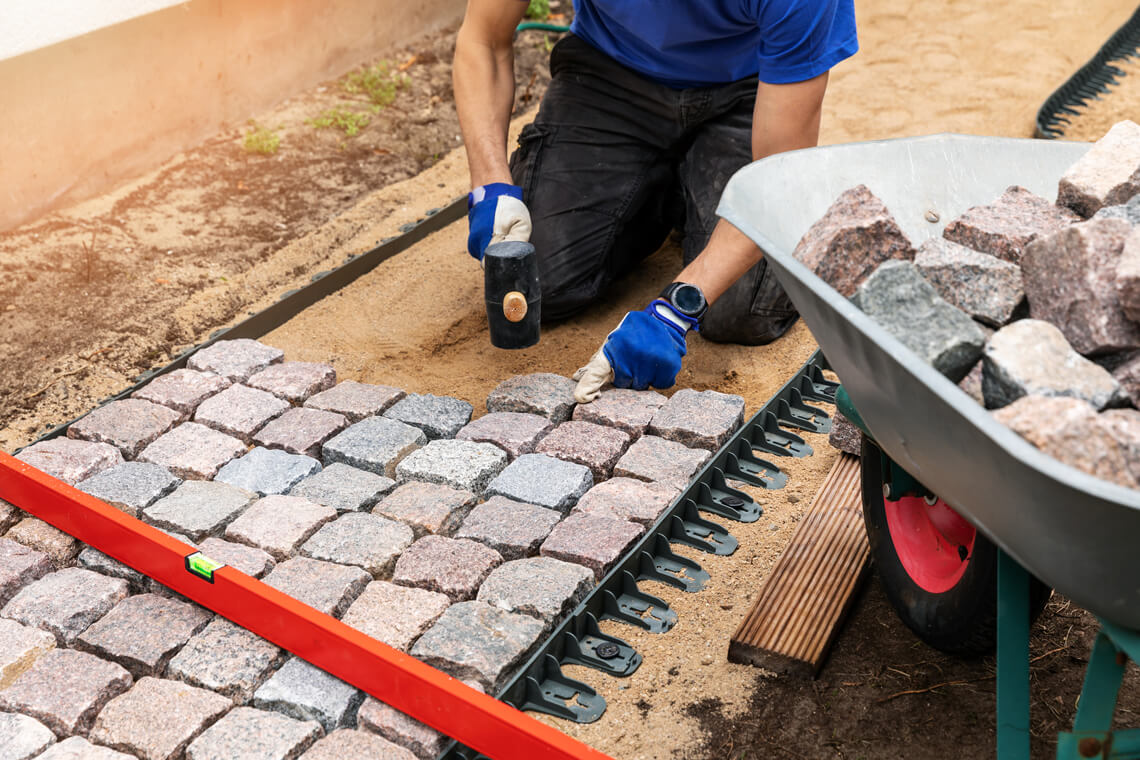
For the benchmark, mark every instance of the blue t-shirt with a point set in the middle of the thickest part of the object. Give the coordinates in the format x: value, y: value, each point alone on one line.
x: 694, y: 43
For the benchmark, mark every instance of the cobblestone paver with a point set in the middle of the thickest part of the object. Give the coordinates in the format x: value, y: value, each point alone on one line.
x: 326, y: 586
x: 628, y: 499
x: 699, y: 419
x: 396, y: 615
x: 226, y: 658
x: 268, y: 471
x: 65, y: 602
x: 466, y: 465
x: 245, y: 733
x: 355, y: 400
x: 294, y: 381
x: 69, y: 460
x: 20, y: 647
x: 542, y: 587
x: 197, y: 509
x: 437, y: 416
x: 344, y: 488
x: 301, y: 431
x: 426, y: 507
x: 183, y: 389
x: 240, y: 411
x: 65, y: 689
x: 376, y: 444
x: 622, y: 408
x: 368, y: 541
x: 596, y: 542
x: 157, y: 718
x: 346, y: 742
x: 192, y: 451
x: 512, y: 528
x: 78, y: 748
x: 19, y: 566
x: 450, y: 566
x: 128, y: 425
x: 542, y: 393
x: 279, y: 524
x: 9, y: 515
x: 655, y: 459
x: 60, y: 547
x: 423, y: 741
x: 143, y: 632
x: 22, y: 738
x: 586, y: 443
x: 304, y: 692
x: 96, y: 561
x: 249, y: 559
x: 131, y: 486
x: 516, y: 433
x: 542, y: 480
x: 235, y: 359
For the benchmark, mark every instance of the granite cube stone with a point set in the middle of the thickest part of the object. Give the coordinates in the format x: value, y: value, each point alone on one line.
x: 268, y: 471
x: 60, y: 547
x: 355, y: 400
x: 586, y: 443
x: 844, y: 435
x: 128, y: 425
x: 545, y: 394
x: 987, y: 288
x: 198, y: 509
x: 96, y: 561
x: 305, y: 692
x: 591, y: 540
x: 279, y: 524
x: 436, y: 416
x: 1128, y: 211
x: 465, y: 465
x: 1128, y: 276
x: 426, y: 507
x: 157, y: 718
x: 226, y: 658
x: 516, y: 433
x: 344, y: 488
x: 542, y: 587
x: 325, y: 586
x: 65, y: 602
x: 406, y: 732
x: 1005, y: 227
x: 699, y: 419
x: 1127, y: 374
x: 143, y: 632
x: 542, y: 480
x: 19, y: 566
x: 622, y: 408
x: 70, y: 460
x: 450, y: 566
x: 131, y: 486
x: 396, y: 615
x: 655, y: 459
x: 628, y: 499
x: 20, y: 647
x: 65, y: 690
x: 240, y: 411
x: 78, y: 748
x: 183, y: 389
x: 235, y: 359
x: 347, y: 742
x: 367, y: 541
x: 22, y: 738
x: 512, y: 528
x: 301, y: 431
x: 1107, y: 175
x: 375, y: 444
x: 294, y: 381
x: 245, y: 733
x: 473, y: 640
x: 192, y: 451
x: 248, y: 559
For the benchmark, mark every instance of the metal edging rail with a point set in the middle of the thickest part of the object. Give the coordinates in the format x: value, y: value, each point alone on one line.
x: 539, y: 684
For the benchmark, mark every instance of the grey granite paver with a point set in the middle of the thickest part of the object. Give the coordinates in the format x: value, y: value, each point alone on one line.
x: 542, y: 480
x: 20, y: 647
x: 128, y: 425
x: 19, y: 566
x: 622, y: 408
x: 183, y: 389
x: 93, y: 559
x: 628, y: 499
x: 22, y: 738
x: 543, y: 393
x: 279, y: 524
x: 65, y: 602
x: 355, y: 400
x: 235, y: 359
x: 368, y: 541
x: 655, y: 459
x: 249, y: 559
x: 437, y: 416
x: 426, y: 507
x: 450, y: 566
x: 473, y: 640
x: 586, y: 443
x: 699, y: 419
x: 69, y: 460
x: 542, y: 587
x: 325, y: 586
x: 1005, y: 227
x: 512, y: 528
x: 466, y: 465
x: 143, y: 632
x: 294, y: 381
x: 396, y: 615
x: 65, y: 689
x: 1106, y: 175
x: 198, y: 509
x: 268, y: 471
x: 590, y: 540
x: 305, y: 692
x: 376, y: 444
x: 987, y: 288
x: 78, y: 748
x: 240, y: 411
x: 245, y: 733
x: 346, y: 742
x: 344, y: 488
x: 131, y: 486
x: 301, y: 431
x: 157, y: 718
x: 60, y: 547
x: 516, y: 433
x: 226, y: 658
x: 192, y: 451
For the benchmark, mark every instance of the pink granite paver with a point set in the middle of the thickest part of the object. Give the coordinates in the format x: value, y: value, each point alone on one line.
x: 240, y: 411
x: 355, y: 400
x: 512, y: 528
x: 157, y: 718
x: 69, y: 460
x: 128, y: 425
x: 639, y: 501
x: 279, y: 524
x: 65, y: 690
x: 235, y: 359
x: 516, y: 433
x: 301, y: 431
x: 622, y: 408
x: 595, y: 446
x: 294, y: 381
x: 590, y: 540
x: 450, y: 566
x: 183, y: 389
x: 192, y: 451
x: 426, y: 507
x: 396, y: 615
x: 698, y: 419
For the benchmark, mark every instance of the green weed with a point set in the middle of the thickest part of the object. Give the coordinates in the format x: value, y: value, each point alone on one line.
x: 351, y: 122
x: 261, y: 139
x: 539, y: 10
x: 378, y: 83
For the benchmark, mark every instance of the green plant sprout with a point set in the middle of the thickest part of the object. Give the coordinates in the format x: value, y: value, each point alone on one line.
x: 378, y: 83
x: 539, y: 10
x: 350, y: 122
x: 261, y: 139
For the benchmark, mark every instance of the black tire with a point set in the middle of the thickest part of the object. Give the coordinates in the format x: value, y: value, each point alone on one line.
x: 961, y: 620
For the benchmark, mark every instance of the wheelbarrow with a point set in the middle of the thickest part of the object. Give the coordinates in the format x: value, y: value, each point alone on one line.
x: 969, y: 524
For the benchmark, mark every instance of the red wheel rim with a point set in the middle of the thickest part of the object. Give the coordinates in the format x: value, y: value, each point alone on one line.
x: 933, y: 542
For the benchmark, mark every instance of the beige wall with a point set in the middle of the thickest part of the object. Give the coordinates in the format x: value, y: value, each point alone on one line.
x: 82, y: 115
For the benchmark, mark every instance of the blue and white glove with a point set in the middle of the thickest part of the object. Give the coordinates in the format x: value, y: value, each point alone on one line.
x: 495, y: 213
x: 644, y: 351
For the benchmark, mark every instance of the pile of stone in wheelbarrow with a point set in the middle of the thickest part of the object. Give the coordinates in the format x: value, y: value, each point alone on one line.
x: 1032, y: 306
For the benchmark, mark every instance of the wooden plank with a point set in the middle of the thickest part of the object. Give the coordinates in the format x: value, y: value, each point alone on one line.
x: 797, y: 613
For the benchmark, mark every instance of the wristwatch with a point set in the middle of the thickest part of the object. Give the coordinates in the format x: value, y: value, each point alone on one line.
x: 686, y: 299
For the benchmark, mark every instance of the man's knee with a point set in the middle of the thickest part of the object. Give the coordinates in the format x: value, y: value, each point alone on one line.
x: 754, y: 311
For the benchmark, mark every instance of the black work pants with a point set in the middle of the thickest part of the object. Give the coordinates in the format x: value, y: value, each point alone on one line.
x: 613, y: 162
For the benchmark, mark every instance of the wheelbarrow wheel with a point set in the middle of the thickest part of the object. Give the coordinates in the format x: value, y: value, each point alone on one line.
x: 938, y: 571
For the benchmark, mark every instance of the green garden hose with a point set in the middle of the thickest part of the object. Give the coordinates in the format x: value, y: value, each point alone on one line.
x: 541, y: 26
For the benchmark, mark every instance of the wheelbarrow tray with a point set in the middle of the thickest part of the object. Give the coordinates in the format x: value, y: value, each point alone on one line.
x: 1075, y: 532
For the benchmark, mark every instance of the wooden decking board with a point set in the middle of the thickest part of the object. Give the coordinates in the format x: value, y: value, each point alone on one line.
x: 797, y: 613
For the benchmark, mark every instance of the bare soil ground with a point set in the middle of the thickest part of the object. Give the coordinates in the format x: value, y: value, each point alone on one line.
x: 92, y: 295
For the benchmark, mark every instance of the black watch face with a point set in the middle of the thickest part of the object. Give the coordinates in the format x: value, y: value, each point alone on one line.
x: 688, y: 299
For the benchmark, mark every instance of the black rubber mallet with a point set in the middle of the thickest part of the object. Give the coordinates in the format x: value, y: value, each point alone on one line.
x: 511, y: 290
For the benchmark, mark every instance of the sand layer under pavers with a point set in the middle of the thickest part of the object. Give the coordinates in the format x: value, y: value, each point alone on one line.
x: 458, y: 542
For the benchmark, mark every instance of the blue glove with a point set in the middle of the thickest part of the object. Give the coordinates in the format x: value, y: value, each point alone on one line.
x: 495, y: 213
